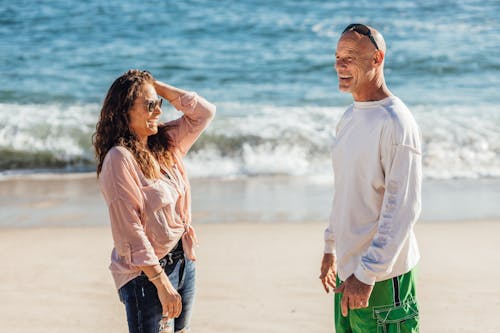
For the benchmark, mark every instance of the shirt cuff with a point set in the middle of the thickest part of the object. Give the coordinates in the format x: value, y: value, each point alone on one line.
x: 364, y: 276
x: 329, y: 246
x: 144, y: 257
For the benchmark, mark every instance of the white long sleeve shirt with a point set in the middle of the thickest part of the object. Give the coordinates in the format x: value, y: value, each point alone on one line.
x: 377, y: 167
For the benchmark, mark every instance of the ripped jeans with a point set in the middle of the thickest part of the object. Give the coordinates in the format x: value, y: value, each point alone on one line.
x: 141, y: 300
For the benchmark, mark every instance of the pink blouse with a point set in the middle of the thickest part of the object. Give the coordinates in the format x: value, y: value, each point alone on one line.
x: 148, y: 217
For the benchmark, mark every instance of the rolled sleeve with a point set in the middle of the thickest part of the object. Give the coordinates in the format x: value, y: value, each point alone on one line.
x: 198, y: 113
x: 131, y: 242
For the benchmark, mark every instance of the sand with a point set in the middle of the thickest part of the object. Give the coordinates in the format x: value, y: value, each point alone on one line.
x: 251, y: 278
x: 258, y: 265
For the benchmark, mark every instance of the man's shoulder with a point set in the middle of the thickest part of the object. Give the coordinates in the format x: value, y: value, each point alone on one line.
x: 398, y: 113
x: 395, y: 107
x: 400, y: 122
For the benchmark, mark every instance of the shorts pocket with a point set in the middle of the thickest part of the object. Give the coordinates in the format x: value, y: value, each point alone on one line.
x: 401, y: 318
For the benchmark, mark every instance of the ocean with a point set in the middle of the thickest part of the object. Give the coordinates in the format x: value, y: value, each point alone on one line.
x: 267, y: 65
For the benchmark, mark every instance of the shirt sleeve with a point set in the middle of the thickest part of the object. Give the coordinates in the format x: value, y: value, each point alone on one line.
x: 329, y: 234
x: 400, y: 208
x: 121, y: 189
x: 198, y: 113
x: 329, y: 237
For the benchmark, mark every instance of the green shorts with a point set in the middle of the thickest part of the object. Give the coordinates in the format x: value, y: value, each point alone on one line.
x: 392, y: 308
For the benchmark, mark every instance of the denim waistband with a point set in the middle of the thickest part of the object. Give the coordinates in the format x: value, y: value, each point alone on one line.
x: 172, y: 257
x: 175, y: 254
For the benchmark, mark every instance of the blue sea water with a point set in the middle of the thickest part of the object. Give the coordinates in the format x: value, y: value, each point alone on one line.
x: 268, y: 65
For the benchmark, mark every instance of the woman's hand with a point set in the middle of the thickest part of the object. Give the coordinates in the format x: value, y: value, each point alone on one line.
x: 170, y: 93
x: 170, y: 299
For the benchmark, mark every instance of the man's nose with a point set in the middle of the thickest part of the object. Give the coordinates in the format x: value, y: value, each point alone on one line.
x: 338, y: 64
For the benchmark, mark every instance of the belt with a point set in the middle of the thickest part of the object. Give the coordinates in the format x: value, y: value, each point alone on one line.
x: 169, y: 261
x: 171, y: 258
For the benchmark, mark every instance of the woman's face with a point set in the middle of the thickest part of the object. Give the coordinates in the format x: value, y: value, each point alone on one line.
x: 145, y: 114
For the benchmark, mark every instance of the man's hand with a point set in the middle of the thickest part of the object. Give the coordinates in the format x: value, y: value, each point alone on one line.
x: 328, y: 272
x: 355, y: 294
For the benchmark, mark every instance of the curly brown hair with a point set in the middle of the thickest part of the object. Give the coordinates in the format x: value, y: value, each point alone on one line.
x: 112, y: 129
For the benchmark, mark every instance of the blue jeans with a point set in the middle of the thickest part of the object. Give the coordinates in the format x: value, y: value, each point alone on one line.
x: 143, y: 306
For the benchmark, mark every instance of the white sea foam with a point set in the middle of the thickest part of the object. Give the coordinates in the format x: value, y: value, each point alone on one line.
x: 457, y: 142
x: 62, y: 131
x: 251, y: 140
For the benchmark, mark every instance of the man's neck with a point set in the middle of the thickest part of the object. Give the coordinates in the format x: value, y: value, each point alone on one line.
x: 374, y: 91
x: 372, y: 95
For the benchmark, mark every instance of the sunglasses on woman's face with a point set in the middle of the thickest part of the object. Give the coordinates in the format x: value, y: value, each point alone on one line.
x: 151, y: 105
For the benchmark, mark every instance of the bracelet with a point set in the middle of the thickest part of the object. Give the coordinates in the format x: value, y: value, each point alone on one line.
x: 157, y: 276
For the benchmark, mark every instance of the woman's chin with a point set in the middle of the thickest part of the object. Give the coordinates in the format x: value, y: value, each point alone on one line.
x: 153, y: 130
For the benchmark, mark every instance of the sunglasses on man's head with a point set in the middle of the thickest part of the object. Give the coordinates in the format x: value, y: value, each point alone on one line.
x: 361, y: 29
x: 153, y: 104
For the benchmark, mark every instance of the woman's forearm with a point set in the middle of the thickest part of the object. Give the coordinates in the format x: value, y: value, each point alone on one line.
x: 157, y: 276
x: 167, y: 91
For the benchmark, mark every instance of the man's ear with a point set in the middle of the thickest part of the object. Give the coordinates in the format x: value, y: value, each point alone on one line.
x: 378, y: 58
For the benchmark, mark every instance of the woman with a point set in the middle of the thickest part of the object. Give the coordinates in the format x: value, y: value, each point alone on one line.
x: 146, y: 188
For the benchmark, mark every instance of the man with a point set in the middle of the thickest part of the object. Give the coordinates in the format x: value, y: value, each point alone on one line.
x: 370, y: 247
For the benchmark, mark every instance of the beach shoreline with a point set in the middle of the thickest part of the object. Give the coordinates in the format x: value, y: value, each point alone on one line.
x: 75, y: 200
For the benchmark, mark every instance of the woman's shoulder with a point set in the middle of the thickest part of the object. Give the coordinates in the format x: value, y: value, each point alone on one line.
x: 119, y: 155
x: 119, y: 152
